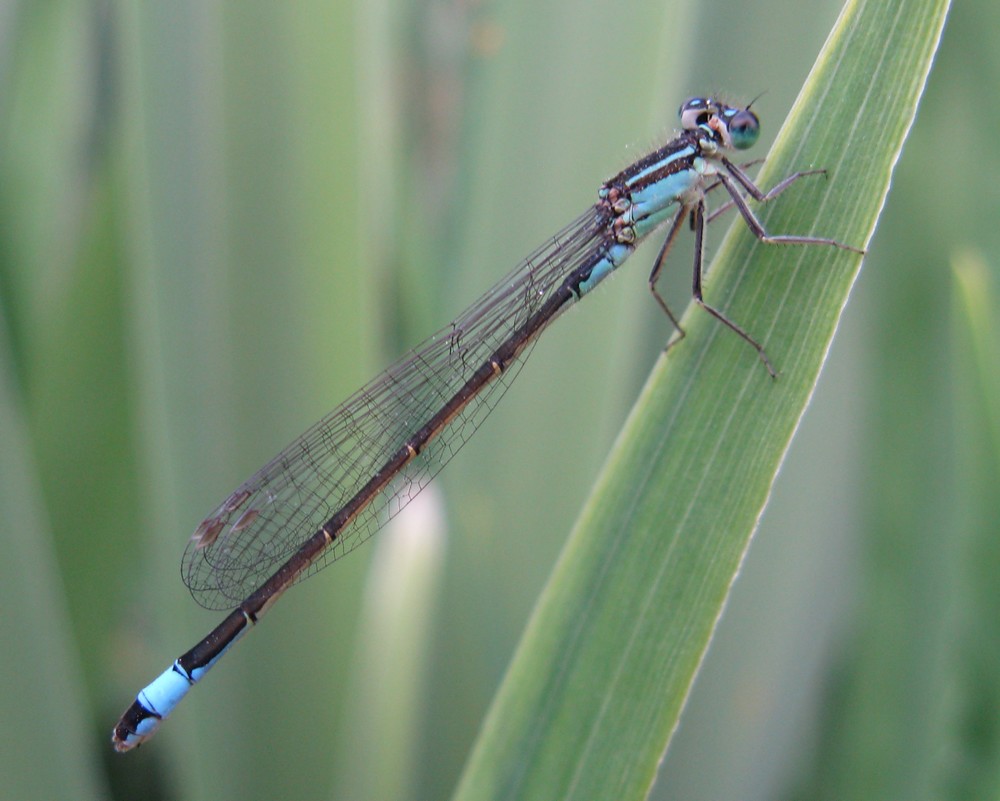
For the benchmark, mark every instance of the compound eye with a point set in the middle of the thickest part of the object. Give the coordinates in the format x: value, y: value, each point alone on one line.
x: 694, y: 112
x: 744, y: 128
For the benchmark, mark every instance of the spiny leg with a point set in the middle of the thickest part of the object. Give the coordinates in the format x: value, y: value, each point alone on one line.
x: 698, y: 221
x: 757, y: 194
x: 717, y: 183
x: 661, y: 258
x: 775, y: 190
x: 758, y: 230
x: 654, y: 275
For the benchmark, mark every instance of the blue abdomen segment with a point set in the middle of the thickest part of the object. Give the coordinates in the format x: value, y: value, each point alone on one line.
x: 153, y: 703
x: 159, y: 698
x: 164, y: 693
x: 612, y: 260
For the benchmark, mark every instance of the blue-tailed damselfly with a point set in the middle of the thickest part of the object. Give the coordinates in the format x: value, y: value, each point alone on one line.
x: 338, y: 483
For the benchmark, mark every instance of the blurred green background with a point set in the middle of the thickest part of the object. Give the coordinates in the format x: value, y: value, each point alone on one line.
x: 217, y: 220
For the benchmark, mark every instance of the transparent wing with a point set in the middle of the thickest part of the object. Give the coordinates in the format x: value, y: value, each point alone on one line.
x: 264, y: 521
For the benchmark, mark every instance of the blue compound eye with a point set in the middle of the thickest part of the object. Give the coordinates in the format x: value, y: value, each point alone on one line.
x: 694, y: 112
x: 744, y: 128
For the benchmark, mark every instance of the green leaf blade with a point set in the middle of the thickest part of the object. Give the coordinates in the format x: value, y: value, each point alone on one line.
x: 600, y: 678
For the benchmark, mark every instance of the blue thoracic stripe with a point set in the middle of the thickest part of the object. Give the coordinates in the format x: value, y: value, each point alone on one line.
x: 659, y: 165
x: 653, y: 191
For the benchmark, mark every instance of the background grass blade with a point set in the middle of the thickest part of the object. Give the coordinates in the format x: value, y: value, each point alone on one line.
x: 603, y: 671
x: 43, y: 649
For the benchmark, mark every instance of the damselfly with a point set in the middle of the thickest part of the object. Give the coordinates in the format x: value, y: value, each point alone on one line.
x: 337, y: 484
